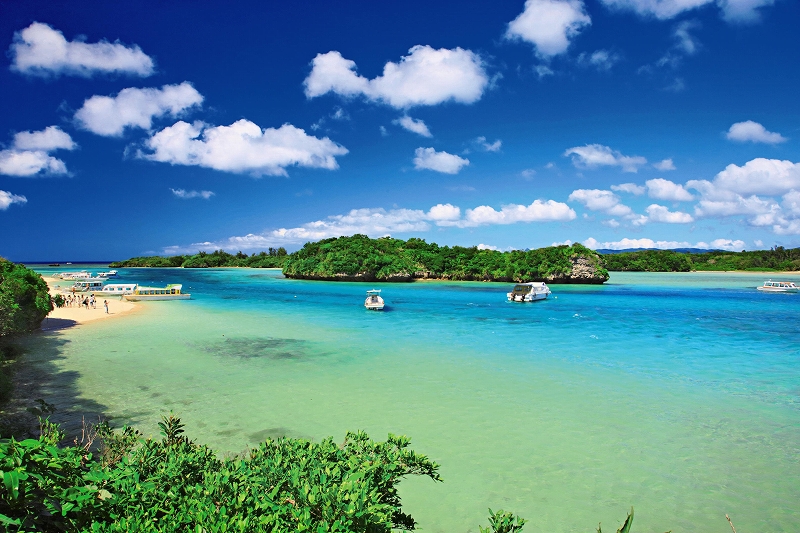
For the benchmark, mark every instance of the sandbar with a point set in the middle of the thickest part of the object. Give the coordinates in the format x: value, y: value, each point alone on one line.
x: 62, y: 317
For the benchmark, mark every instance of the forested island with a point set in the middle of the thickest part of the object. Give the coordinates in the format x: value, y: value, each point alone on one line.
x: 359, y: 258
x: 774, y: 260
x: 273, y: 258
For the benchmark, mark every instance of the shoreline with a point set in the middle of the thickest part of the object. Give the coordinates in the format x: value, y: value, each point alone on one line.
x: 65, y: 317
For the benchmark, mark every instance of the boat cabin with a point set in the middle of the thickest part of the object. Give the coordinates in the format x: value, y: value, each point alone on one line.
x: 88, y: 285
x: 154, y: 291
x: 119, y: 288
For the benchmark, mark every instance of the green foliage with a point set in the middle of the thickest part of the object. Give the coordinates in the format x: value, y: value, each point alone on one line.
x: 174, y: 485
x: 626, y: 526
x: 24, y: 299
x: 503, y: 522
x: 776, y: 259
x: 274, y: 258
x: 360, y: 258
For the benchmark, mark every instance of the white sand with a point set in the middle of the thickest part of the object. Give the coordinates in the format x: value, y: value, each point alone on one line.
x: 69, y: 316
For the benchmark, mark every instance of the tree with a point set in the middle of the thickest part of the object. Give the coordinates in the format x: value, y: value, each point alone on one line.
x: 24, y: 299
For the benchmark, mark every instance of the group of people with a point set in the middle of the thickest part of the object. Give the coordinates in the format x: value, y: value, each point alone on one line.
x: 78, y: 300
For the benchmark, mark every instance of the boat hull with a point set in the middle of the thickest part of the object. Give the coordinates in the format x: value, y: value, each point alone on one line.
x: 778, y: 289
x: 527, y: 297
x: 154, y: 297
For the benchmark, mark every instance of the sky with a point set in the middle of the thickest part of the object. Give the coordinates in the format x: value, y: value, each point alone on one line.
x: 144, y: 128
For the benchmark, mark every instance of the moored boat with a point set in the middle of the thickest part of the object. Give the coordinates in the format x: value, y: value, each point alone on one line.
x: 529, y: 292
x: 87, y: 285
x: 374, y: 302
x: 170, y: 292
x: 117, y: 289
x: 779, y: 286
x: 109, y: 274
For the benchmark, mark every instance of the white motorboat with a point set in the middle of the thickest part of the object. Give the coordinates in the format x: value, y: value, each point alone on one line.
x: 83, y: 274
x: 374, y: 302
x: 779, y: 286
x: 109, y: 274
x: 145, y: 294
x: 529, y: 292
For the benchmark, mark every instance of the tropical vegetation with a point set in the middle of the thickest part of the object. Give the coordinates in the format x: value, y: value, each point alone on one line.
x: 775, y: 259
x: 24, y: 299
x: 273, y: 258
x: 386, y: 259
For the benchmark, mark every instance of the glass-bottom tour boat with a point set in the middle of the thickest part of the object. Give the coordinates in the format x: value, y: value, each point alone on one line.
x: 145, y: 294
x: 779, y: 286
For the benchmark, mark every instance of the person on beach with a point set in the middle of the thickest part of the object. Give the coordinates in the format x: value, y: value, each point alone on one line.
x: 105, y: 304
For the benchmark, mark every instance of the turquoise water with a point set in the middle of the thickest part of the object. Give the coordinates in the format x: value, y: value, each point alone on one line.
x: 678, y: 394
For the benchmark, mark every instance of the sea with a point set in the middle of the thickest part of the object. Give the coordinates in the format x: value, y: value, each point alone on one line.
x: 677, y: 394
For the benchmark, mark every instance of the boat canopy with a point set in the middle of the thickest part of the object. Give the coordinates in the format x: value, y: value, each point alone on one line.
x: 373, y: 292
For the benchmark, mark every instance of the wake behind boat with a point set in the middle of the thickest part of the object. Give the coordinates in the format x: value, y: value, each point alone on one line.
x: 779, y: 286
x: 529, y: 292
x: 374, y: 302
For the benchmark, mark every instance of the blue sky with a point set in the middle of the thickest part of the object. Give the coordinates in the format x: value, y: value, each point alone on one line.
x: 152, y: 127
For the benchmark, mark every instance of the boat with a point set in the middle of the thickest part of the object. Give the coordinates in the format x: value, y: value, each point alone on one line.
x: 117, y: 289
x: 145, y: 294
x: 779, y: 286
x: 374, y: 302
x: 54, y: 265
x: 529, y: 292
x: 87, y: 285
x: 109, y: 274
x: 83, y: 274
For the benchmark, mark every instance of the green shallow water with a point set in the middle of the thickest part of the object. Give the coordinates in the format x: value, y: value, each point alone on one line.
x: 678, y: 394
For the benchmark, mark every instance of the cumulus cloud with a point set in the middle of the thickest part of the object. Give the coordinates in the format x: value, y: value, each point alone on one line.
x: 378, y: 222
x: 186, y: 195
x: 626, y: 243
x: 414, y: 125
x: 430, y: 159
x: 606, y: 202
x: 631, y: 188
x: 242, y: 147
x: 664, y: 165
x: 135, y: 108
x: 538, y: 211
x: 41, y: 50
x: 662, y: 189
x: 597, y: 155
x: 659, y: 213
x: 49, y: 139
x: 6, y: 199
x: 602, y: 60
x: 549, y: 25
x: 749, y: 131
x: 29, y: 154
x: 426, y: 76
x: 758, y: 176
x: 486, y: 146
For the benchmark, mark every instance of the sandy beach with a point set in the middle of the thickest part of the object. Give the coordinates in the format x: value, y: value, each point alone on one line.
x: 60, y: 318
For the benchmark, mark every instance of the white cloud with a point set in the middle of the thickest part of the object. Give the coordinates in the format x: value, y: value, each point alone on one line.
x: 414, y: 125
x: 41, y: 50
x: 430, y: 159
x: 664, y: 165
x: 528, y: 173
x: 49, y: 139
x: 186, y: 195
x: 543, y: 70
x: 29, y: 153
x: 662, y: 189
x: 684, y: 40
x: 29, y: 163
x: 659, y: 213
x: 626, y: 243
x: 378, y: 222
x: 611, y: 223
x: 758, y: 176
x: 538, y: 211
x: 596, y: 155
x: 602, y: 60
x: 791, y: 202
x: 242, y: 147
x: 6, y: 199
x: 425, y: 76
x: 661, y: 9
x: 600, y: 200
x: 132, y: 107
x: 749, y: 131
x: 631, y: 188
x: 482, y: 246
x: 739, y: 205
x: 549, y: 25
x: 486, y: 146
x: 742, y: 11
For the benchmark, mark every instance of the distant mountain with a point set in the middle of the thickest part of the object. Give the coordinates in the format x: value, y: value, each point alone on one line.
x: 605, y: 251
